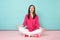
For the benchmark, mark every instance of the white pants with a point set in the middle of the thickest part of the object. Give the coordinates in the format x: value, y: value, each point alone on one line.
x: 25, y: 31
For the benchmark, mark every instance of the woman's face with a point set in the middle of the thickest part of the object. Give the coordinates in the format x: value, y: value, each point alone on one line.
x: 31, y: 9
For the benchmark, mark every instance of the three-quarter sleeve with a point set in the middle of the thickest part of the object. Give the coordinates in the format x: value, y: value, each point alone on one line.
x: 37, y: 22
x: 25, y: 21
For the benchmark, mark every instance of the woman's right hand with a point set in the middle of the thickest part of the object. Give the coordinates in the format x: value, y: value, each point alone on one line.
x: 17, y: 26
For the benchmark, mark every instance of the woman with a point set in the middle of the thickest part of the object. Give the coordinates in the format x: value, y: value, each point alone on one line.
x: 31, y: 23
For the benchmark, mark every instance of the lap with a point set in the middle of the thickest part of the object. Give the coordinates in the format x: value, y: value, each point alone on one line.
x: 22, y: 29
x: 38, y: 30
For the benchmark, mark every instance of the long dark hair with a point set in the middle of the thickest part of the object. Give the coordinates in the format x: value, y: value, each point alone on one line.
x: 34, y: 14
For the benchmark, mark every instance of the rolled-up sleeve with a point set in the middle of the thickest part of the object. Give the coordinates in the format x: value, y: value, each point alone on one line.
x: 37, y: 22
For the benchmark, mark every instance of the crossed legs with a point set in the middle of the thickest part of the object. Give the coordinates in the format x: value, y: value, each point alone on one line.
x: 25, y: 31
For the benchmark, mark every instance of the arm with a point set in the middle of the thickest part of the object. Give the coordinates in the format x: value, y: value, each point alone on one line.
x: 37, y: 22
x: 25, y: 21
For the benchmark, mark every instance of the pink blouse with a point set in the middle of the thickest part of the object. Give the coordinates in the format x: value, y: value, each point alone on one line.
x: 32, y: 24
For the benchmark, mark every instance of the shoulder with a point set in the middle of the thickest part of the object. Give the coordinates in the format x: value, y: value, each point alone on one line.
x: 36, y: 16
x: 26, y: 15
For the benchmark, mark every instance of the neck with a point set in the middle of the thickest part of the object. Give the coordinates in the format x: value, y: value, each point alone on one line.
x: 31, y: 14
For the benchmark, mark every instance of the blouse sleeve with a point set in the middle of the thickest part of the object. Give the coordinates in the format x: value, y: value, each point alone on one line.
x: 37, y: 22
x: 25, y: 21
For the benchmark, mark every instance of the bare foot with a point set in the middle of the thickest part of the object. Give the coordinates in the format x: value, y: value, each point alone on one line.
x: 35, y: 35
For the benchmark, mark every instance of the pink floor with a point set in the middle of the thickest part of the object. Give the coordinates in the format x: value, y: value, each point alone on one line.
x: 14, y: 35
